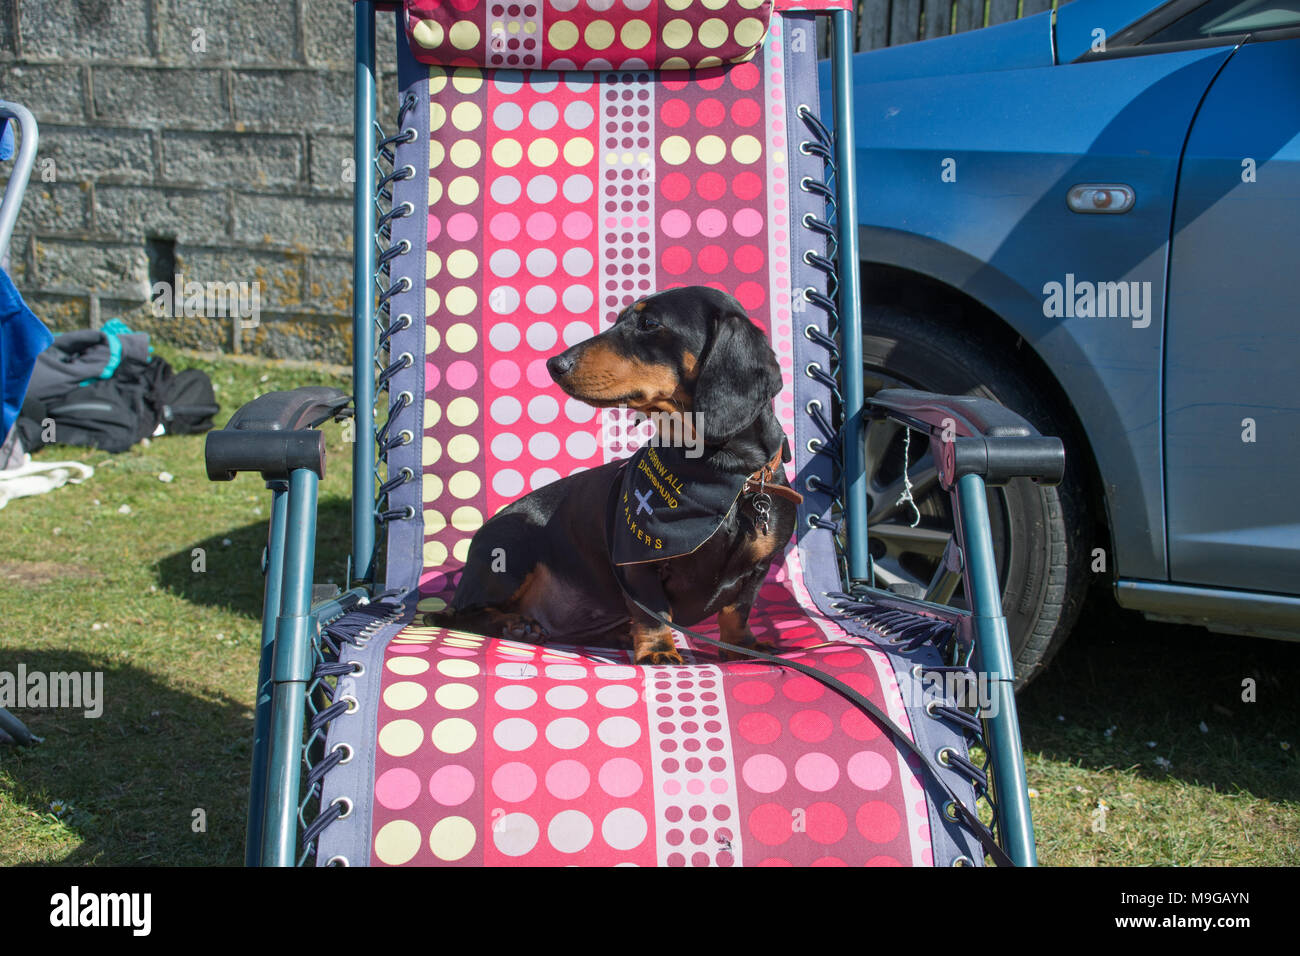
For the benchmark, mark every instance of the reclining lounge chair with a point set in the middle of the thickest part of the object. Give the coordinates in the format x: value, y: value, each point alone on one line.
x: 553, y: 161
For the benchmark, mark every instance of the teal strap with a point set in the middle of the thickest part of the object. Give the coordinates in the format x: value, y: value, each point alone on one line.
x: 112, y: 329
x: 114, y: 355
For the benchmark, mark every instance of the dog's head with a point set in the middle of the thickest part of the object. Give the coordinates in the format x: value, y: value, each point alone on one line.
x: 683, y: 350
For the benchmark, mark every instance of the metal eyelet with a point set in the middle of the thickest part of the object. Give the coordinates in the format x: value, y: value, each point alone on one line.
x: 337, y: 861
x: 950, y: 811
x: 963, y: 861
x: 930, y: 707
x: 814, y: 445
x: 811, y: 484
x: 344, y: 746
x: 812, y: 522
x: 803, y: 109
x: 411, y: 133
x: 918, y: 672
x: 347, y: 807
x: 803, y: 148
x: 407, y: 359
x: 809, y: 367
x: 406, y: 435
x: 803, y: 183
x: 410, y: 399
x: 807, y: 253
x: 406, y: 283
x: 407, y: 473
x: 410, y: 173
x: 408, y: 207
x: 404, y: 321
x: 808, y: 220
x: 404, y: 245
x: 943, y: 755
x: 810, y: 328
x: 353, y: 704
x: 410, y: 513
x: 814, y: 403
x: 358, y: 668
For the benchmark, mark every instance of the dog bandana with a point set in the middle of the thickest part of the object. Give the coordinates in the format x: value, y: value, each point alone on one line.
x: 668, y: 505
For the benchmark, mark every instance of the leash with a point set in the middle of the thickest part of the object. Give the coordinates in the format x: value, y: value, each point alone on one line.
x: 981, y: 833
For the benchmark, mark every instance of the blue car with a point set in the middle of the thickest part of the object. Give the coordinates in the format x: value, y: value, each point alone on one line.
x: 1093, y: 216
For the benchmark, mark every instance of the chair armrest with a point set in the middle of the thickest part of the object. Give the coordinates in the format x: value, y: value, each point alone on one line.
x: 275, y: 434
x: 972, y: 435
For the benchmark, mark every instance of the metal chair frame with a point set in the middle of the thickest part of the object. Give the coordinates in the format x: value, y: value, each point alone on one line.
x: 291, y: 626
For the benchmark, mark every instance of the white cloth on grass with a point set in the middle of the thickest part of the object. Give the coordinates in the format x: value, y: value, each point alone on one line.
x: 39, y: 477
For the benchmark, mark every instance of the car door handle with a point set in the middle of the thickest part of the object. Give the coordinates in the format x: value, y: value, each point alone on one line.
x: 1108, y: 199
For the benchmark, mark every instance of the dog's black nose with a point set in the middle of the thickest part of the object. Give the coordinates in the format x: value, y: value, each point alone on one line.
x: 559, y: 365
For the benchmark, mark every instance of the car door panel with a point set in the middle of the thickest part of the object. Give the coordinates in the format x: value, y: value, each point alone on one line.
x: 1232, y: 404
x: 1015, y: 142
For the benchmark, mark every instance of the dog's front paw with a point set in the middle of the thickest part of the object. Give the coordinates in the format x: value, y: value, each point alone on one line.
x: 525, y: 630
x: 733, y: 628
x: 733, y: 652
x: 654, y: 646
x: 660, y: 657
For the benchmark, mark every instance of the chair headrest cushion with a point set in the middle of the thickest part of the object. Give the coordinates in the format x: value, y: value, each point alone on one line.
x: 586, y: 34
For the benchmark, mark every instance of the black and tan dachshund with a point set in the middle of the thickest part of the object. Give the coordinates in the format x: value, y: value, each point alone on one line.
x: 541, y: 568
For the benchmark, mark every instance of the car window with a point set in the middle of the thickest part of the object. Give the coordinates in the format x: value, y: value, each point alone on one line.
x: 1223, y: 18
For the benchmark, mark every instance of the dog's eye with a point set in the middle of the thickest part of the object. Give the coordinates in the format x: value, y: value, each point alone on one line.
x: 647, y: 323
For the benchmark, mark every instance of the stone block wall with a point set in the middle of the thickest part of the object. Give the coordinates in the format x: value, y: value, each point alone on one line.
x: 206, y: 138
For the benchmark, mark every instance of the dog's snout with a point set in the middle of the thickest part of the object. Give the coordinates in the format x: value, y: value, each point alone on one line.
x: 560, y: 365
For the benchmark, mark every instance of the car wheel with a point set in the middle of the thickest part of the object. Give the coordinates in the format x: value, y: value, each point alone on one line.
x: 1039, y: 533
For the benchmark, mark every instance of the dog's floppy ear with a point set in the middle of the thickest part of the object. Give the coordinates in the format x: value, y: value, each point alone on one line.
x: 738, y: 377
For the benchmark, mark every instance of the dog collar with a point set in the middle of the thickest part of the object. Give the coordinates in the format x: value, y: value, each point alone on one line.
x: 763, y: 480
x: 759, y: 488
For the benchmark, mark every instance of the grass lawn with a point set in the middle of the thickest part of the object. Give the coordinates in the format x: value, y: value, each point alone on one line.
x: 101, y: 577
x: 1140, y: 748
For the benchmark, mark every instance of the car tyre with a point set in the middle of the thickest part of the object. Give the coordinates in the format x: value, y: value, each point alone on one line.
x: 1040, y: 534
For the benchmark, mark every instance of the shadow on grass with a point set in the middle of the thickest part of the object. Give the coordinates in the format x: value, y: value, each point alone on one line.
x: 1159, y: 683
x: 233, y: 576
x: 133, y: 778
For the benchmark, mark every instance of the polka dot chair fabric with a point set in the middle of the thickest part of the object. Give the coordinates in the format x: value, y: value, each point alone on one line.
x: 545, y: 203
x: 586, y: 34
